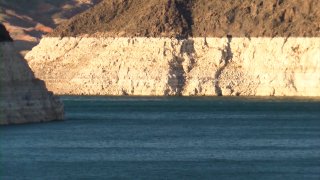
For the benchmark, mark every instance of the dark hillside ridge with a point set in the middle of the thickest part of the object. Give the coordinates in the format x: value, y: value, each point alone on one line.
x: 4, y: 34
x: 128, y: 18
x: 197, y: 18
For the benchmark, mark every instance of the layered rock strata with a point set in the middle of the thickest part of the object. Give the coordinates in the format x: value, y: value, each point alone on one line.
x: 260, y: 66
x: 23, y: 98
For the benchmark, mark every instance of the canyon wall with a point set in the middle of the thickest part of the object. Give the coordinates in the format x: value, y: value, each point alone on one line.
x: 23, y: 98
x: 260, y: 66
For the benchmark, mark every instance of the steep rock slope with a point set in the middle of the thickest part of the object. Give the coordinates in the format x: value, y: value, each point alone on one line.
x: 256, y: 18
x: 197, y: 18
x: 128, y: 18
x: 23, y: 98
x: 175, y: 47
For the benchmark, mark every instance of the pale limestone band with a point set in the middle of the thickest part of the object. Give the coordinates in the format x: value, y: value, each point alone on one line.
x: 163, y: 66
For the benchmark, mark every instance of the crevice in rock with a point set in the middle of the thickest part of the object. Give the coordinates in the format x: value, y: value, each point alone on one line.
x: 176, y: 78
x: 227, y: 56
x: 289, y: 76
x: 188, y: 48
x: 74, y: 46
x: 185, y: 9
x: 124, y: 92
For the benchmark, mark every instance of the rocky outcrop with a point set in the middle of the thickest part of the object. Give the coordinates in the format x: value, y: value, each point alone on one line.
x: 185, y: 47
x: 24, y: 98
x: 196, y: 18
x: 163, y: 66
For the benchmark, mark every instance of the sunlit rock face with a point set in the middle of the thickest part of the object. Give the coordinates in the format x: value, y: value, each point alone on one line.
x: 259, y: 66
x: 23, y: 98
x: 185, y: 47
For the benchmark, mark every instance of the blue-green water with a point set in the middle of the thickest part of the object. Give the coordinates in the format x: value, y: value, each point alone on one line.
x: 168, y: 138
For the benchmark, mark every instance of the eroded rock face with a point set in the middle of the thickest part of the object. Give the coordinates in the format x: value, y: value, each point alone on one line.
x: 24, y: 98
x: 139, y: 47
x: 164, y: 66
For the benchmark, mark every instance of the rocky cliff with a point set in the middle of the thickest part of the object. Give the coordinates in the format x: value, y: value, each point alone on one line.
x: 176, y: 47
x: 164, y: 66
x: 23, y: 98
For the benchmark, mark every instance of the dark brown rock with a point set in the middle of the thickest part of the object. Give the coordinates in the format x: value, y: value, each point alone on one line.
x: 182, y: 18
x: 4, y: 34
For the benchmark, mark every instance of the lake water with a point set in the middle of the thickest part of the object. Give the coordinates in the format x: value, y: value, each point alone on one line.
x: 168, y: 138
